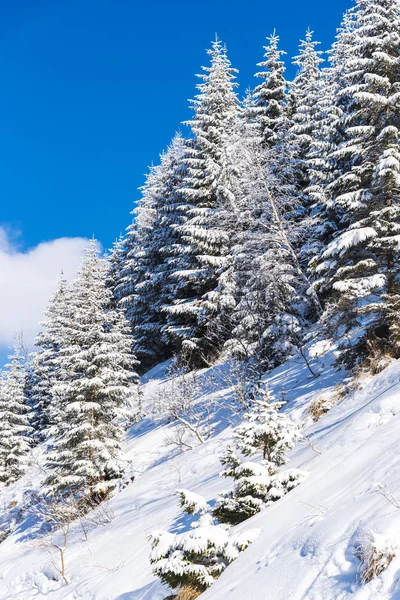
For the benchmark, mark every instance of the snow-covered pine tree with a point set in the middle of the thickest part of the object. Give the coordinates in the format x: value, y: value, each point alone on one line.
x: 193, y: 560
x: 340, y: 53
x: 267, y: 430
x: 269, y: 106
x: 133, y: 268
x: 318, y: 165
x: 147, y: 257
x: 322, y: 168
x: 272, y: 434
x: 156, y: 288
x: 14, y: 421
x: 360, y: 267
x: 45, y: 365
x: 205, y: 243
x: 303, y: 98
x: 266, y: 112
x: 116, y: 264
x: 303, y: 103
x: 99, y: 384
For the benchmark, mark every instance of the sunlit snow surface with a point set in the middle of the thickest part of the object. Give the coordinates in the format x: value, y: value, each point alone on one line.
x: 305, y: 550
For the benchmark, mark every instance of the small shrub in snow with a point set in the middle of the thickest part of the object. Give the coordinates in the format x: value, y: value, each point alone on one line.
x: 375, y: 553
x: 193, y: 560
x: 321, y: 405
x: 179, y: 402
x: 257, y: 485
x: 57, y: 515
x: 187, y: 592
x: 243, y: 377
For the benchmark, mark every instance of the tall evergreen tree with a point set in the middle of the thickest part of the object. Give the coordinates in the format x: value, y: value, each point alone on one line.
x: 14, y: 421
x: 303, y: 112
x: 116, y: 264
x: 45, y: 362
x: 359, y: 268
x: 147, y: 286
x: 204, y: 242
x: 99, y: 384
x: 269, y: 109
x: 319, y: 169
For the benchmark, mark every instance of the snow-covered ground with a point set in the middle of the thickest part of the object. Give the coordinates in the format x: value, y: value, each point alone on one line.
x: 307, y: 544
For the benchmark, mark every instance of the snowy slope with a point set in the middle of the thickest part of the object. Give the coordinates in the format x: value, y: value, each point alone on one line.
x: 306, y: 549
x: 306, y: 546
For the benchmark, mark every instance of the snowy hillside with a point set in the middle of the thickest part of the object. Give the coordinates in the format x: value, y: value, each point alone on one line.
x: 307, y: 540
x: 211, y: 407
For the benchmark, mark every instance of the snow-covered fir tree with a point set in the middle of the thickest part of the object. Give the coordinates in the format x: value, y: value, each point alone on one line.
x: 267, y: 430
x: 14, y: 421
x: 146, y: 286
x: 204, y: 243
x: 272, y: 434
x: 340, y: 53
x: 303, y: 111
x: 269, y: 107
x: 266, y: 111
x: 327, y: 135
x: 99, y: 383
x: 133, y: 267
x: 45, y: 362
x: 196, y: 558
x: 319, y: 167
x: 359, y: 268
x: 116, y: 264
x: 304, y: 96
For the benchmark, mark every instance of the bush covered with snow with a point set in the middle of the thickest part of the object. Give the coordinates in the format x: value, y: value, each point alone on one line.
x: 375, y: 552
x: 196, y: 558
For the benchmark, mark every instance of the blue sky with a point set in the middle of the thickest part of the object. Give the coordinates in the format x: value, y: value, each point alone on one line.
x: 91, y: 92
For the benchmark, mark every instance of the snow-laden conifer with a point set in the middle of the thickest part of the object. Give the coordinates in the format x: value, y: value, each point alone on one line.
x: 196, y: 558
x: 149, y: 256
x: 116, y: 263
x: 269, y: 108
x: 268, y: 432
x: 303, y: 111
x: 359, y: 267
x: 205, y: 242
x: 14, y: 421
x: 46, y: 371
x: 99, y: 383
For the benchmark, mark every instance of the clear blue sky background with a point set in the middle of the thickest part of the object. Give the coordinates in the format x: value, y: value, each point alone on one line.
x: 93, y: 90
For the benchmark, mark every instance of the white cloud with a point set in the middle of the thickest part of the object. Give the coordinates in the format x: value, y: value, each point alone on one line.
x: 29, y: 279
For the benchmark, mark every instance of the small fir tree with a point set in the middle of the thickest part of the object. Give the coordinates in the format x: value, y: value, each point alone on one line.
x: 196, y: 558
x: 256, y: 485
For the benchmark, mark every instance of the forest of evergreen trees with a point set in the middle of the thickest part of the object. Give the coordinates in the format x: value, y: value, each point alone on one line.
x: 275, y: 219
